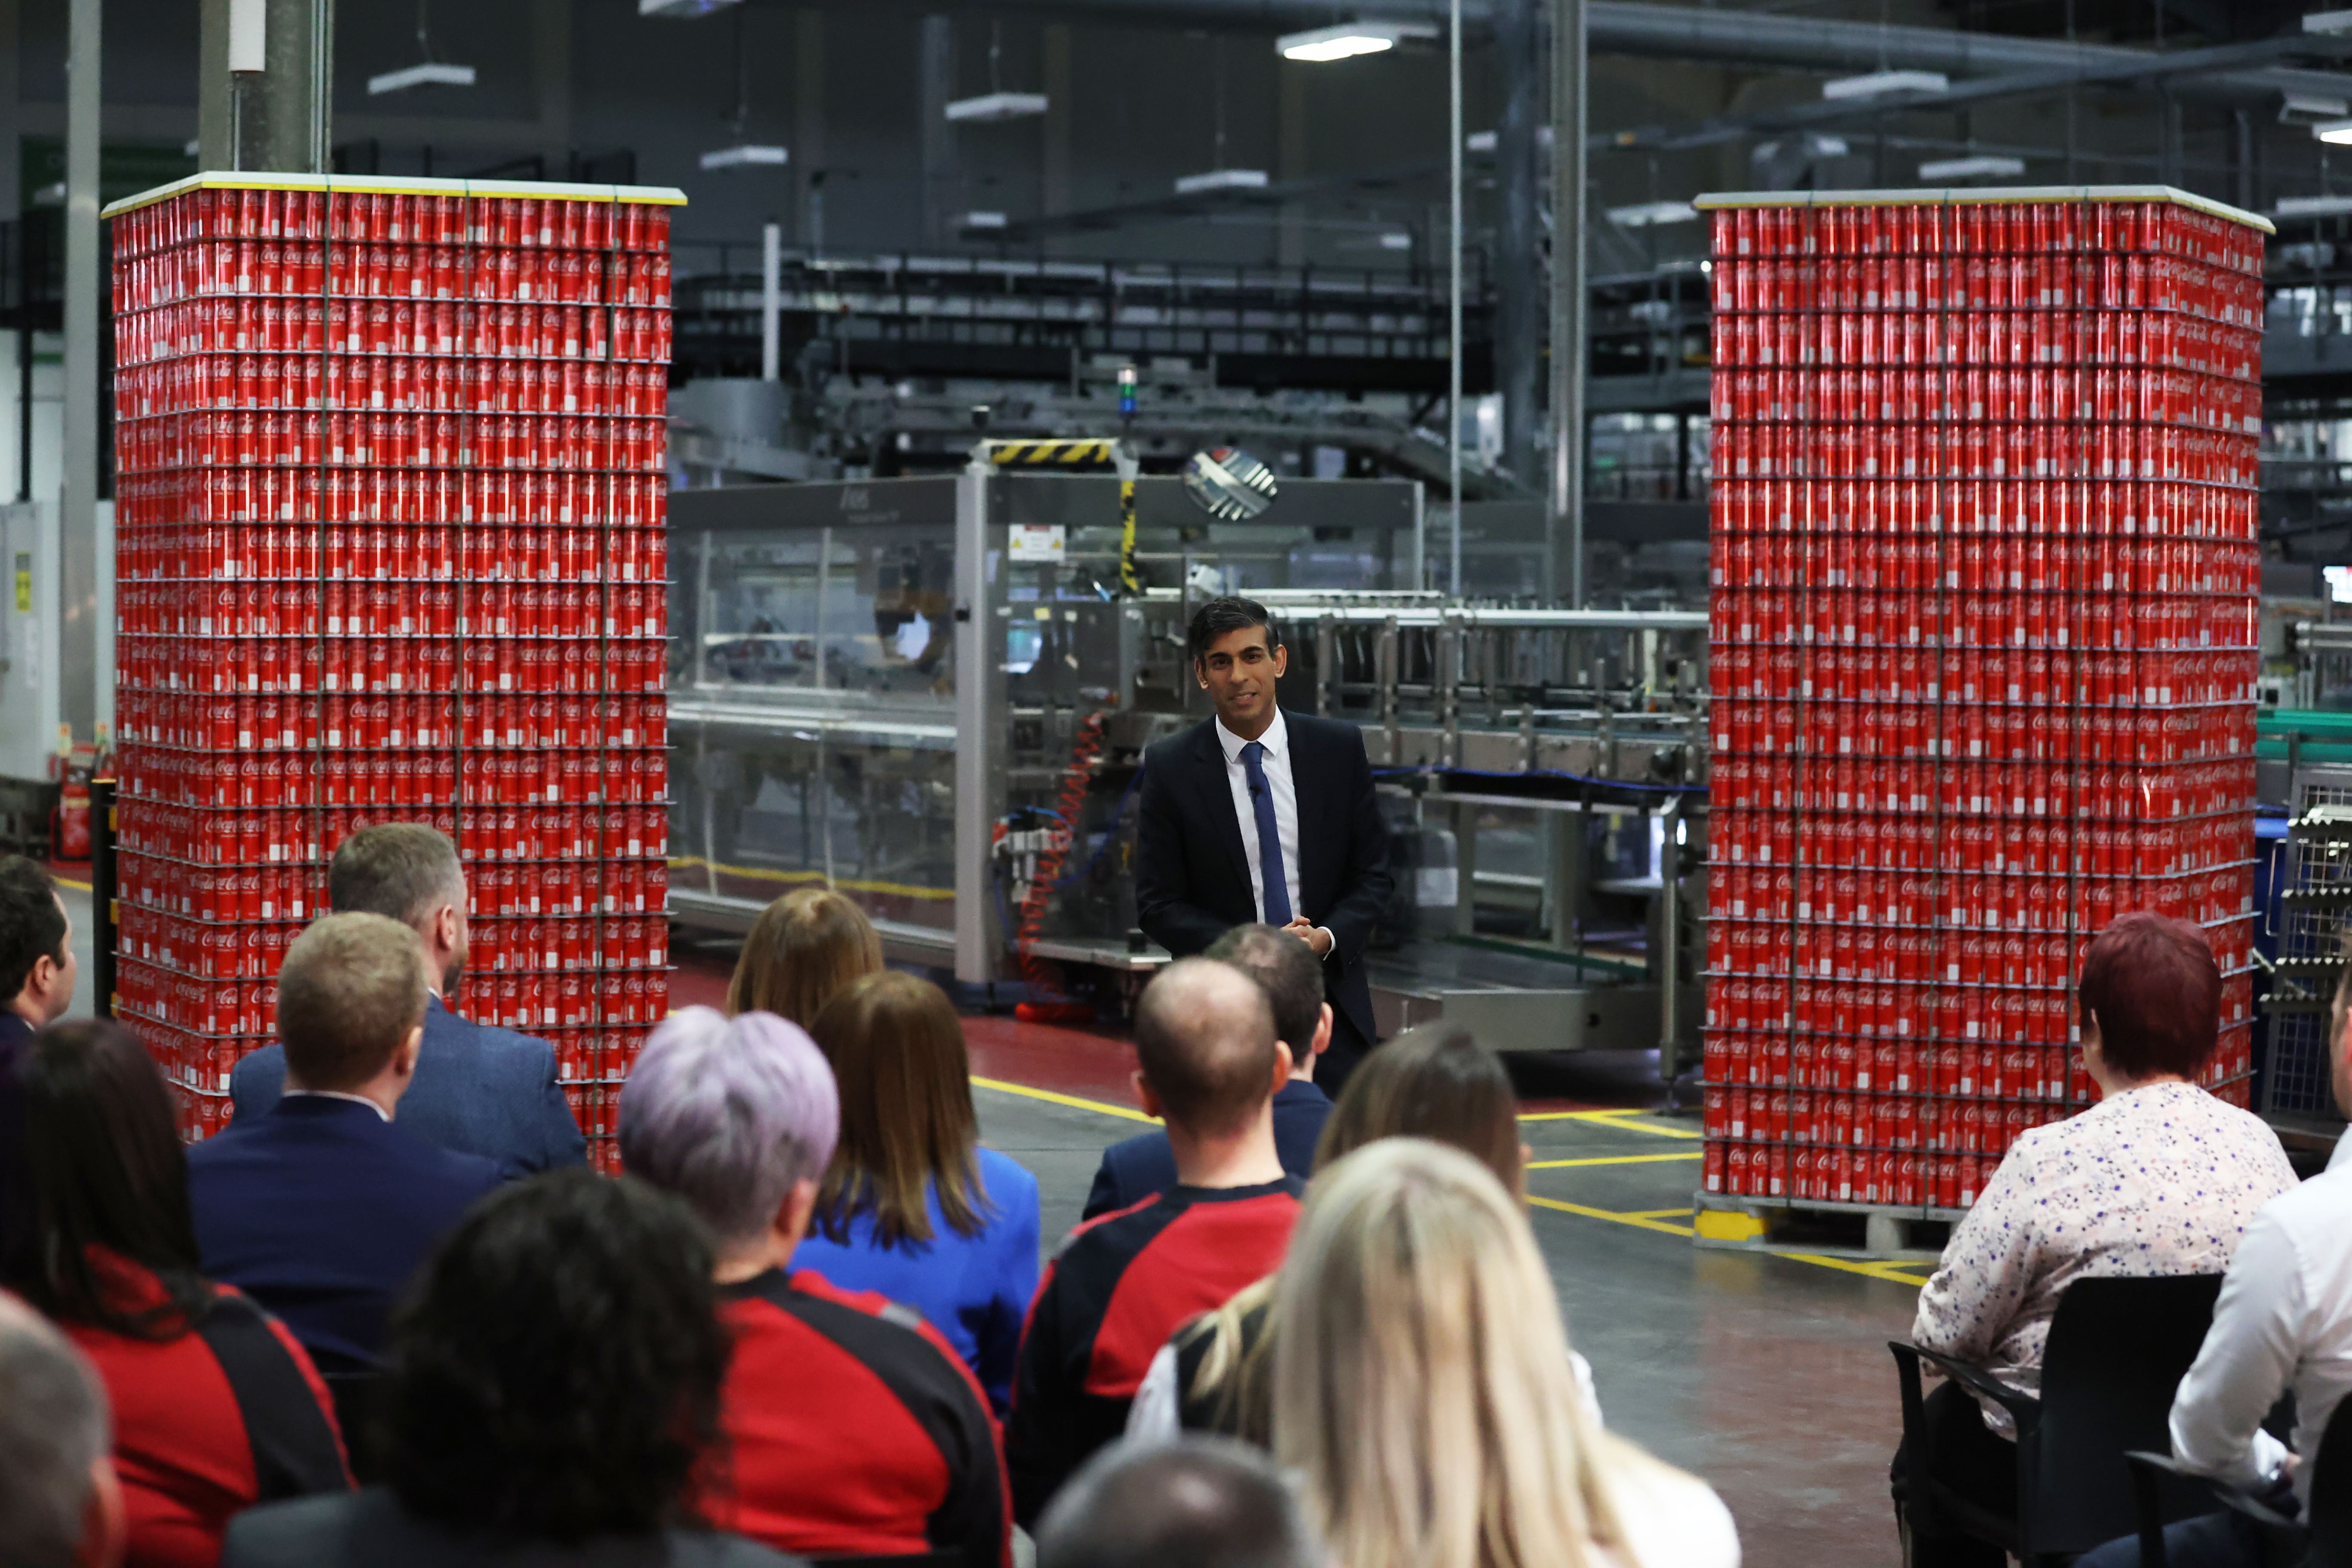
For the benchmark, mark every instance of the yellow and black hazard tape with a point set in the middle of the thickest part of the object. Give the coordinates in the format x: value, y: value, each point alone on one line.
x: 1061, y: 453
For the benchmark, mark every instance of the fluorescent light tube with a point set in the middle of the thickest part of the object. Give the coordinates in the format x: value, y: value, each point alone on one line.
x: 745, y: 158
x: 1978, y: 168
x: 2335, y: 132
x: 2312, y: 207
x: 1878, y: 84
x: 1348, y: 39
x: 686, y: 8
x: 983, y: 220
x: 1221, y: 179
x: 1648, y: 215
x: 997, y: 106
x: 2329, y: 22
x: 430, y: 74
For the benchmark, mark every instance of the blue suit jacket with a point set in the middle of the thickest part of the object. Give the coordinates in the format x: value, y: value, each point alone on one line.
x: 478, y: 1090
x: 321, y: 1211
x: 1138, y: 1167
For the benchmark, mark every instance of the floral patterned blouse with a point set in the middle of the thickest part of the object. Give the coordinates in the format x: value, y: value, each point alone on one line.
x: 2158, y: 1180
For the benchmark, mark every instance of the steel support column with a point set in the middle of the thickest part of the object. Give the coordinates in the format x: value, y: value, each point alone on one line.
x: 1518, y: 259
x: 1565, y: 535
x: 77, y: 477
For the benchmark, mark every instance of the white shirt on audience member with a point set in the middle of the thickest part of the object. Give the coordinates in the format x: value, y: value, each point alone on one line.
x: 1285, y: 791
x: 2284, y: 1322
x: 2159, y: 1180
x: 1671, y: 1521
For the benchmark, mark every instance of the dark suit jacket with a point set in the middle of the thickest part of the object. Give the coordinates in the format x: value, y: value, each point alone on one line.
x: 1134, y: 1169
x: 478, y: 1090
x: 369, y: 1529
x: 1191, y: 880
x: 15, y: 1181
x: 321, y: 1211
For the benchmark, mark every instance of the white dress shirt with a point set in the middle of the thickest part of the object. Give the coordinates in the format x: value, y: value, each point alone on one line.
x: 2284, y: 1321
x: 1279, y: 781
x: 2159, y: 1180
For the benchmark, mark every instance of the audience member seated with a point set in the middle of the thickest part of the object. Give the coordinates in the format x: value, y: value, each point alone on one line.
x: 912, y: 1207
x: 1210, y: 1066
x: 2158, y: 1178
x: 2282, y: 1325
x: 37, y: 984
x: 804, y: 949
x: 554, y: 1383
x: 850, y: 1426
x: 216, y: 1405
x: 1436, y: 1081
x: 1201, y: 1502
x: 1423, y: 1393
x: 321, y: 1209
x: 60, y: 1506
x: 1144, y: 1166
x: 478, y: 1090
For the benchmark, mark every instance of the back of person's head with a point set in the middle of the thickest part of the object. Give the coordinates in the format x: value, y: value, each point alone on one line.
x: 32, y: 923
x: 402, y: 870
x: 554, y: 1370
x: 59, y: 1504
x: 1436, y: 1081
x: 109, y: 1172
x: 350, y: 991
x: 1422, y: 1388
x: 1198, y: 1502
x: 1205, y: 1038
x: 2152, y: 985
x: 907, y: 1123
x: 731, y: 1115
x: 1288, y: 971
x: 802, y: 951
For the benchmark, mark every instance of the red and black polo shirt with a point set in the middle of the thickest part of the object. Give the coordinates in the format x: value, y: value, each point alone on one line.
x: 852, y: 1429
x: 1122, y: 1284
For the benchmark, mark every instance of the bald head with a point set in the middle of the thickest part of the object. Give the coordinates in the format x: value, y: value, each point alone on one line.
x: 1205, y: 1038
x: 1200, y: 1502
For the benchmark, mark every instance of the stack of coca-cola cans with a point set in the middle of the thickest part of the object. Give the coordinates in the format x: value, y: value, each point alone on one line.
x: 1982, y: 658
x: 389, y: 546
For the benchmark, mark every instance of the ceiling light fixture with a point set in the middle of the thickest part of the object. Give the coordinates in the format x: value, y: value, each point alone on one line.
x: 983, y: 220
x: 687, y: 9
x: 429, y: 74
x: 1221, y: 179
x: 1650, y: 215
x: 2312, y: 207
x: 996, y: 106
x: 2335, y: 132
x: 2329, y: 22
x: 1982, y: 167
x: 2303, y: 109
x: 745, y: 157
x: 1348, y: 39
x: 1881, y: 84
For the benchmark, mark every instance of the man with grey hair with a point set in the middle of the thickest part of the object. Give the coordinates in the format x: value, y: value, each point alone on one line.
x: 739, y: 1117
x: 322, y: 1208
x: 60, y: 1504
x: 1198, y: 1502
x: 478, y: 1090
x: 1134, y: 1169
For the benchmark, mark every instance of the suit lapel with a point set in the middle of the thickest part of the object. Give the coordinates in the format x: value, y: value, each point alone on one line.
x: 1313, y: 828
x: 1220, y: 798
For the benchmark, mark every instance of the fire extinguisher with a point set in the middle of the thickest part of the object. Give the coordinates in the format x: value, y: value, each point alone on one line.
x: 69, y: 822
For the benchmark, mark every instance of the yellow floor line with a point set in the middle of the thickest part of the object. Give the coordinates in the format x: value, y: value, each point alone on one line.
x: 1101, y: 1107
x: 1609, y: 1160
x: 1612, y: 1119
x: 1878, y: 1269
x: 77, y: 887
x: 1641, y: 1220
x: 1660, y: 1213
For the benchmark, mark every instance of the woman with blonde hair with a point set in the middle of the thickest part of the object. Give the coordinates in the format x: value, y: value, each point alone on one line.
x: 1423, y: 1390
x: 803, y: 950
x: 911, y: 1205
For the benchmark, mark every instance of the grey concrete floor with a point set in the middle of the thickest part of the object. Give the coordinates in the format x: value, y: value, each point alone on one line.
x: 1765, y: 1375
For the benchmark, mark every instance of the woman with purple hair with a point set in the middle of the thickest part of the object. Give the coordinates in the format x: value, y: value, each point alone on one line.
x: 852, y: 1428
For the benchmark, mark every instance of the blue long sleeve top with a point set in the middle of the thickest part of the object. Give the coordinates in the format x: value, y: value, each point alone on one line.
x: 975, y: 1290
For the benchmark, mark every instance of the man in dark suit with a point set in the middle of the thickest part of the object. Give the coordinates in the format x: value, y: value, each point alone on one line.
x: 1255, y: 788
x: 478, y: 1090
x: 321, y: 1209
x: 37, y: 984
x: 1144, y: 1166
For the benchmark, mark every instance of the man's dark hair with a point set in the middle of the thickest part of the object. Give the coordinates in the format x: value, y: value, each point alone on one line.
x: 2152, y: 985
x: 1218, y: 617
x: 1205, y: 1038
x: 402, y: 869
x: 32, y: 923
x: 1287, y: 971
x: 1198, y: 1502
x: 102, y: 1147
x: 556, y: 1364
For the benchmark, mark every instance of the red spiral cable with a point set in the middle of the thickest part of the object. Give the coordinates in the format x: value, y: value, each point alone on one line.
x: 1048, y: 1003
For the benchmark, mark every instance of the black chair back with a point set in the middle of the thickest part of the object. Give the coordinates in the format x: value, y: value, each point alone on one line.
x: 2117, y: 1351
x: 914, y: 1560
x: 2330, y: 1513
x: 357, y: 1395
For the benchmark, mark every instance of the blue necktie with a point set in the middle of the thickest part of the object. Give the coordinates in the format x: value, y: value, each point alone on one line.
x: 1269, y: 838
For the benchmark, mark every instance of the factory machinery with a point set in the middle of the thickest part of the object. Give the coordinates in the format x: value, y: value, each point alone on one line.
x: 934, y: 694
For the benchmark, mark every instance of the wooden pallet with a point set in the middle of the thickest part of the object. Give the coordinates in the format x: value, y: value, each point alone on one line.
x: 1892, y: 1232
